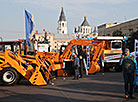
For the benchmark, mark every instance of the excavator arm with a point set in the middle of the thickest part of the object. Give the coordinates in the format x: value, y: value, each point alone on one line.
x: 98, y: 45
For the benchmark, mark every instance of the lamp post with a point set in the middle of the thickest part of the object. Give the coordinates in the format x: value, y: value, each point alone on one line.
x: 1, y: 38
x: 1, y: 46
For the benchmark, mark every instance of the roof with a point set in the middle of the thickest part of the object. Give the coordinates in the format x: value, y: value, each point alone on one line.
x: 9, y: 42
x: 85, y: 23
x: 63, y: 36
x: 62, y: 16
x: 109, y: 38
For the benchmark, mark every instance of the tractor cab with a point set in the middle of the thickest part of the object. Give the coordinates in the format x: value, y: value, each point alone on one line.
x: 24, y: 49
x: 9, y: 45
x: 62, y: 48
x: 18, y: 46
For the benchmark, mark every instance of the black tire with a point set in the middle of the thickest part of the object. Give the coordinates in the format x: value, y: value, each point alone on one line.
x: 105, y: 69
x: 118, y: 68
x: 9, y: 76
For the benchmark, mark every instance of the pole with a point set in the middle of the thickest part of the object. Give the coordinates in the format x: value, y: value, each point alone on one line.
x: 1, y: 38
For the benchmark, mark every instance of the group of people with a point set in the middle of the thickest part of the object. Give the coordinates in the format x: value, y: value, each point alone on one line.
x: 78, y: 64
x: 129, y: 68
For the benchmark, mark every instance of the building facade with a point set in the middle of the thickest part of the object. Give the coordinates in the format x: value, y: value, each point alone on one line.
x: 126, y: 28
x: 54, y: 40
x: 61, y: 40
x: 40, y: 37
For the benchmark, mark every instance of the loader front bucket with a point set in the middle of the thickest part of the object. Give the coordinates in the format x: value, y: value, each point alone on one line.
x: 41, y: 76
x: 38, y: 79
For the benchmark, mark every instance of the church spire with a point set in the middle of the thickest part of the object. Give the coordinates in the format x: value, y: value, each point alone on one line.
x: 62, y: 15
x: 85, y: 23
x: 62, y: 23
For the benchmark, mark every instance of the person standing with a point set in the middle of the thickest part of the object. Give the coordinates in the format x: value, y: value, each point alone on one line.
x: 129, y: 67
x: 76, y: 66
x: 81, y: 56
x: 137, y: 57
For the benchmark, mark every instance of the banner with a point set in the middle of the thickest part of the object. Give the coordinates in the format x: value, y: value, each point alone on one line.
x: 136, y: 47
x: 88, y: 57
x: 29, y: 25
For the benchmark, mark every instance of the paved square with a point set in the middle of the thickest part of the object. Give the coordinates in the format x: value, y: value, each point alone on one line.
x: 92, y: 88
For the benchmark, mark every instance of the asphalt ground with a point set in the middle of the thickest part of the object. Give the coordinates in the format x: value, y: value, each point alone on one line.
x: 93, y: 88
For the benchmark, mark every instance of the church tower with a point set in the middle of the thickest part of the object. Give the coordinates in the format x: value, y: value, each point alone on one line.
x: 62, y: 23
x: 84, y: 28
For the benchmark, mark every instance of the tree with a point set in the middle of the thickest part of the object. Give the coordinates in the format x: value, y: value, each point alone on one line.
x: 45, y: 39
x: 117, y: 33
x: 108, y: 34
x: 131, y: 40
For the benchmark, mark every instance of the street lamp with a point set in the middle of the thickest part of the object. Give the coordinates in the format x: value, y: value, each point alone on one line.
x: 1, y: 45
x: 1, y: 38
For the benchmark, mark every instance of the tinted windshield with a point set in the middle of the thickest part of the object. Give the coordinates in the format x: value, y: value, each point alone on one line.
x: 116, y: 45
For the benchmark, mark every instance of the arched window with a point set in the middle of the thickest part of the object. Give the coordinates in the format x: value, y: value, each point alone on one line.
x: 83, y: 30
x: 62, y: 24
x: 88, y: 30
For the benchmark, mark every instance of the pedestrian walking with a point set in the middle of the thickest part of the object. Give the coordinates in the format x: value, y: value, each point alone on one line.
x: 129, y: 67
x: 76, y: 66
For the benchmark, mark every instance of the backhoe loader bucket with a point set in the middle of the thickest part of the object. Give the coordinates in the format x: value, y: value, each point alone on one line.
x: 94, y: 68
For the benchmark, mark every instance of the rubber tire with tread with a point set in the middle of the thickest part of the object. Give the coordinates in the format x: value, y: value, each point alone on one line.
x: 15, y: 79
x: 118, y: 68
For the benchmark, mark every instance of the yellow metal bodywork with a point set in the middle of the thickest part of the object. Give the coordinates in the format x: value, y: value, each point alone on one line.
x: 38, y: 75
x: 112, y: 52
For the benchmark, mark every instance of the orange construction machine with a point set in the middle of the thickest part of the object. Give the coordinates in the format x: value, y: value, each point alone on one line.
x: 60, y: 59
x: 97, y: 47
x: 18, y: 63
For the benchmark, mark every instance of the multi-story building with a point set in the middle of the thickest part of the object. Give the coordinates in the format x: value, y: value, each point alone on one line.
x: 40, y: 37
x: 61, y: 40
x: 54, y: 40
x: 126, y: 28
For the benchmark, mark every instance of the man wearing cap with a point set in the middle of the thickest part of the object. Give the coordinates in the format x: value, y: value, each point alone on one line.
x: 129, y: 67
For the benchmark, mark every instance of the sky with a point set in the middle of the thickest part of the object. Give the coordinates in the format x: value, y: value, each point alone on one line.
x: 46, y: 14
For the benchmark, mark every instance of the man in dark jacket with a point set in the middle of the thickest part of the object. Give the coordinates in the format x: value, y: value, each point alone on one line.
x: 81, y: 56
x: 129, y: 66
x: 76, y: 66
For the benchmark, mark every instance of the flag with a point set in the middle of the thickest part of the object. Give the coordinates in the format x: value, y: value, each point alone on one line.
x: 29, y: 25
